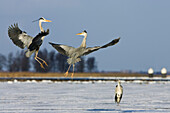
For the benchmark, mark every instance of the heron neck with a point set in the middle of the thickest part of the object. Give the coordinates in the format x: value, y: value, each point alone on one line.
x: 118, y: 83
x: 83, y: 44
x: 40, y: 26
x: 42, y: 30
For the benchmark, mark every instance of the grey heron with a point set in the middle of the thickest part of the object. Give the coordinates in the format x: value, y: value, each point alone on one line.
x: 74, y: 54
x: 22, y: 40
x: 118, y: 92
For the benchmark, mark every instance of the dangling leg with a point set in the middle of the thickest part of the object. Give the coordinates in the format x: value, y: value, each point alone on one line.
x: 42, y: 60
x: 67, y: 71
x: 73, y: 71
x: 36, y: 53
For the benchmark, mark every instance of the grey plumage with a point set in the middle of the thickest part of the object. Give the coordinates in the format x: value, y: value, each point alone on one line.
x: 63, y: 49
x: 74, y: 54
x: 92, y: 49
x: 22, y: 40
x: 19, y: 38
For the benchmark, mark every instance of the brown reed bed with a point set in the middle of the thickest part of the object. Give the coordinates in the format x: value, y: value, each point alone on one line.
x: 32, y: 74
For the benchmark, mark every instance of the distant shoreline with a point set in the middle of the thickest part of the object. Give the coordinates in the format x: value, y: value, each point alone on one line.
x: 33, y: 74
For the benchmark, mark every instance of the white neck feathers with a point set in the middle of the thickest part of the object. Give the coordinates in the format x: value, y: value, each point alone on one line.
x: 40, y: 26
x: 83, y: 44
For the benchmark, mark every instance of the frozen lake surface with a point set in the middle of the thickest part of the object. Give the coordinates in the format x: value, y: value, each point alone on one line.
x: 86, y: 97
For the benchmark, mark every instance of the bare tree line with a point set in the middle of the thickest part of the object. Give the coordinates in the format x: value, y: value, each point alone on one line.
x: 56, y: 63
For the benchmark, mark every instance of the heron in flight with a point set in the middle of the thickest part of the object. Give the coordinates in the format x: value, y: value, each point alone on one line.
x: 118, y: 92
x: 74, y: 54
x: 22, y: 40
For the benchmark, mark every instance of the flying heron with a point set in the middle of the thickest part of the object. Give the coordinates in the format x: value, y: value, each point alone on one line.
x: 118, y: 92
x: 22, y: 40
x: 74, y: 54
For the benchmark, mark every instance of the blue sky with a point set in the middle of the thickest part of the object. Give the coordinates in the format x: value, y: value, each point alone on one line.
x: 143, y: 26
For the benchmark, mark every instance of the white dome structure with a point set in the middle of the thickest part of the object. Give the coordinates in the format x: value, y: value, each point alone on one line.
x: 163, y: 71
x: 150, y: 71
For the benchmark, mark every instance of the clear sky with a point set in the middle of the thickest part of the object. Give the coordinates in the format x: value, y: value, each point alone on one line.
x: 143, y: 25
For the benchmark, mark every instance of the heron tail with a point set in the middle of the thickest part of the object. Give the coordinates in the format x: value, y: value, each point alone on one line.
x: 28, y: 53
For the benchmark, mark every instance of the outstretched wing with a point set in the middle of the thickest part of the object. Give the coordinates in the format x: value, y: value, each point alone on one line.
x: 92, y: 49
x: 19, y: 38
x: 63, y: 49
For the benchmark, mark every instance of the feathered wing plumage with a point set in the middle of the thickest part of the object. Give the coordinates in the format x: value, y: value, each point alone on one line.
x: 36, y: 43
x: 68, y: 50
x: 63, y: 49
x: 74, y: 54
x: 28, y: 53
x: 92, y: 49
x: 19, y: 38
x: 22, y: 40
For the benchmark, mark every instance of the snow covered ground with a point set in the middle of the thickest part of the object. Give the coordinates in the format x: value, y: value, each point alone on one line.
x: 85, y: 97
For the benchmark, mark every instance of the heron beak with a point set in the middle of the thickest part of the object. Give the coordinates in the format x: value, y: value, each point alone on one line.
x: 79, y: 34
x: 35, y: 20
x: 48, y: 21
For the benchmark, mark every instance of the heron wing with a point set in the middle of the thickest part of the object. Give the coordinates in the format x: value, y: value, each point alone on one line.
x: 92, y: 49
x: 120, y: 97
x: 121, y: 87
x: 37, y: 41
x: 19, y: 38
x: 115, y: 97
x: 63, y: 49
x: 40, y: 35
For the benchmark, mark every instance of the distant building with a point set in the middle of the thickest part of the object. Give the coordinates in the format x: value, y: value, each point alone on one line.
x: 163, y: 72
x: 150, y: 72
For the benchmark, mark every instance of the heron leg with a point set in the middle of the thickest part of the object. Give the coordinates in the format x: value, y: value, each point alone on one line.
x: 67, y: 71
x: 73, y: 71
x: 36, y: 53
x: 42, y: 60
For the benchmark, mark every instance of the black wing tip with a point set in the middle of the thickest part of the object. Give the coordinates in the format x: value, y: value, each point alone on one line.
x: 116, y: 40
x: 47, y: 32
x: 12, y: 28
x: 13, y: 25
x: 44, y: 33
x: 51, y: 43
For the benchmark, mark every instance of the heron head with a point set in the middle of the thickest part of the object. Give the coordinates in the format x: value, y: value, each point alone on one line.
x: 42, y: 19
x: 119, y: 82
x: 84, y: 33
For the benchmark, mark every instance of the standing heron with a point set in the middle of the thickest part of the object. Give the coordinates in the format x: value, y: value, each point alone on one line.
x: 118, y: 92
x: 22, y: 40
x: 74, y: 54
